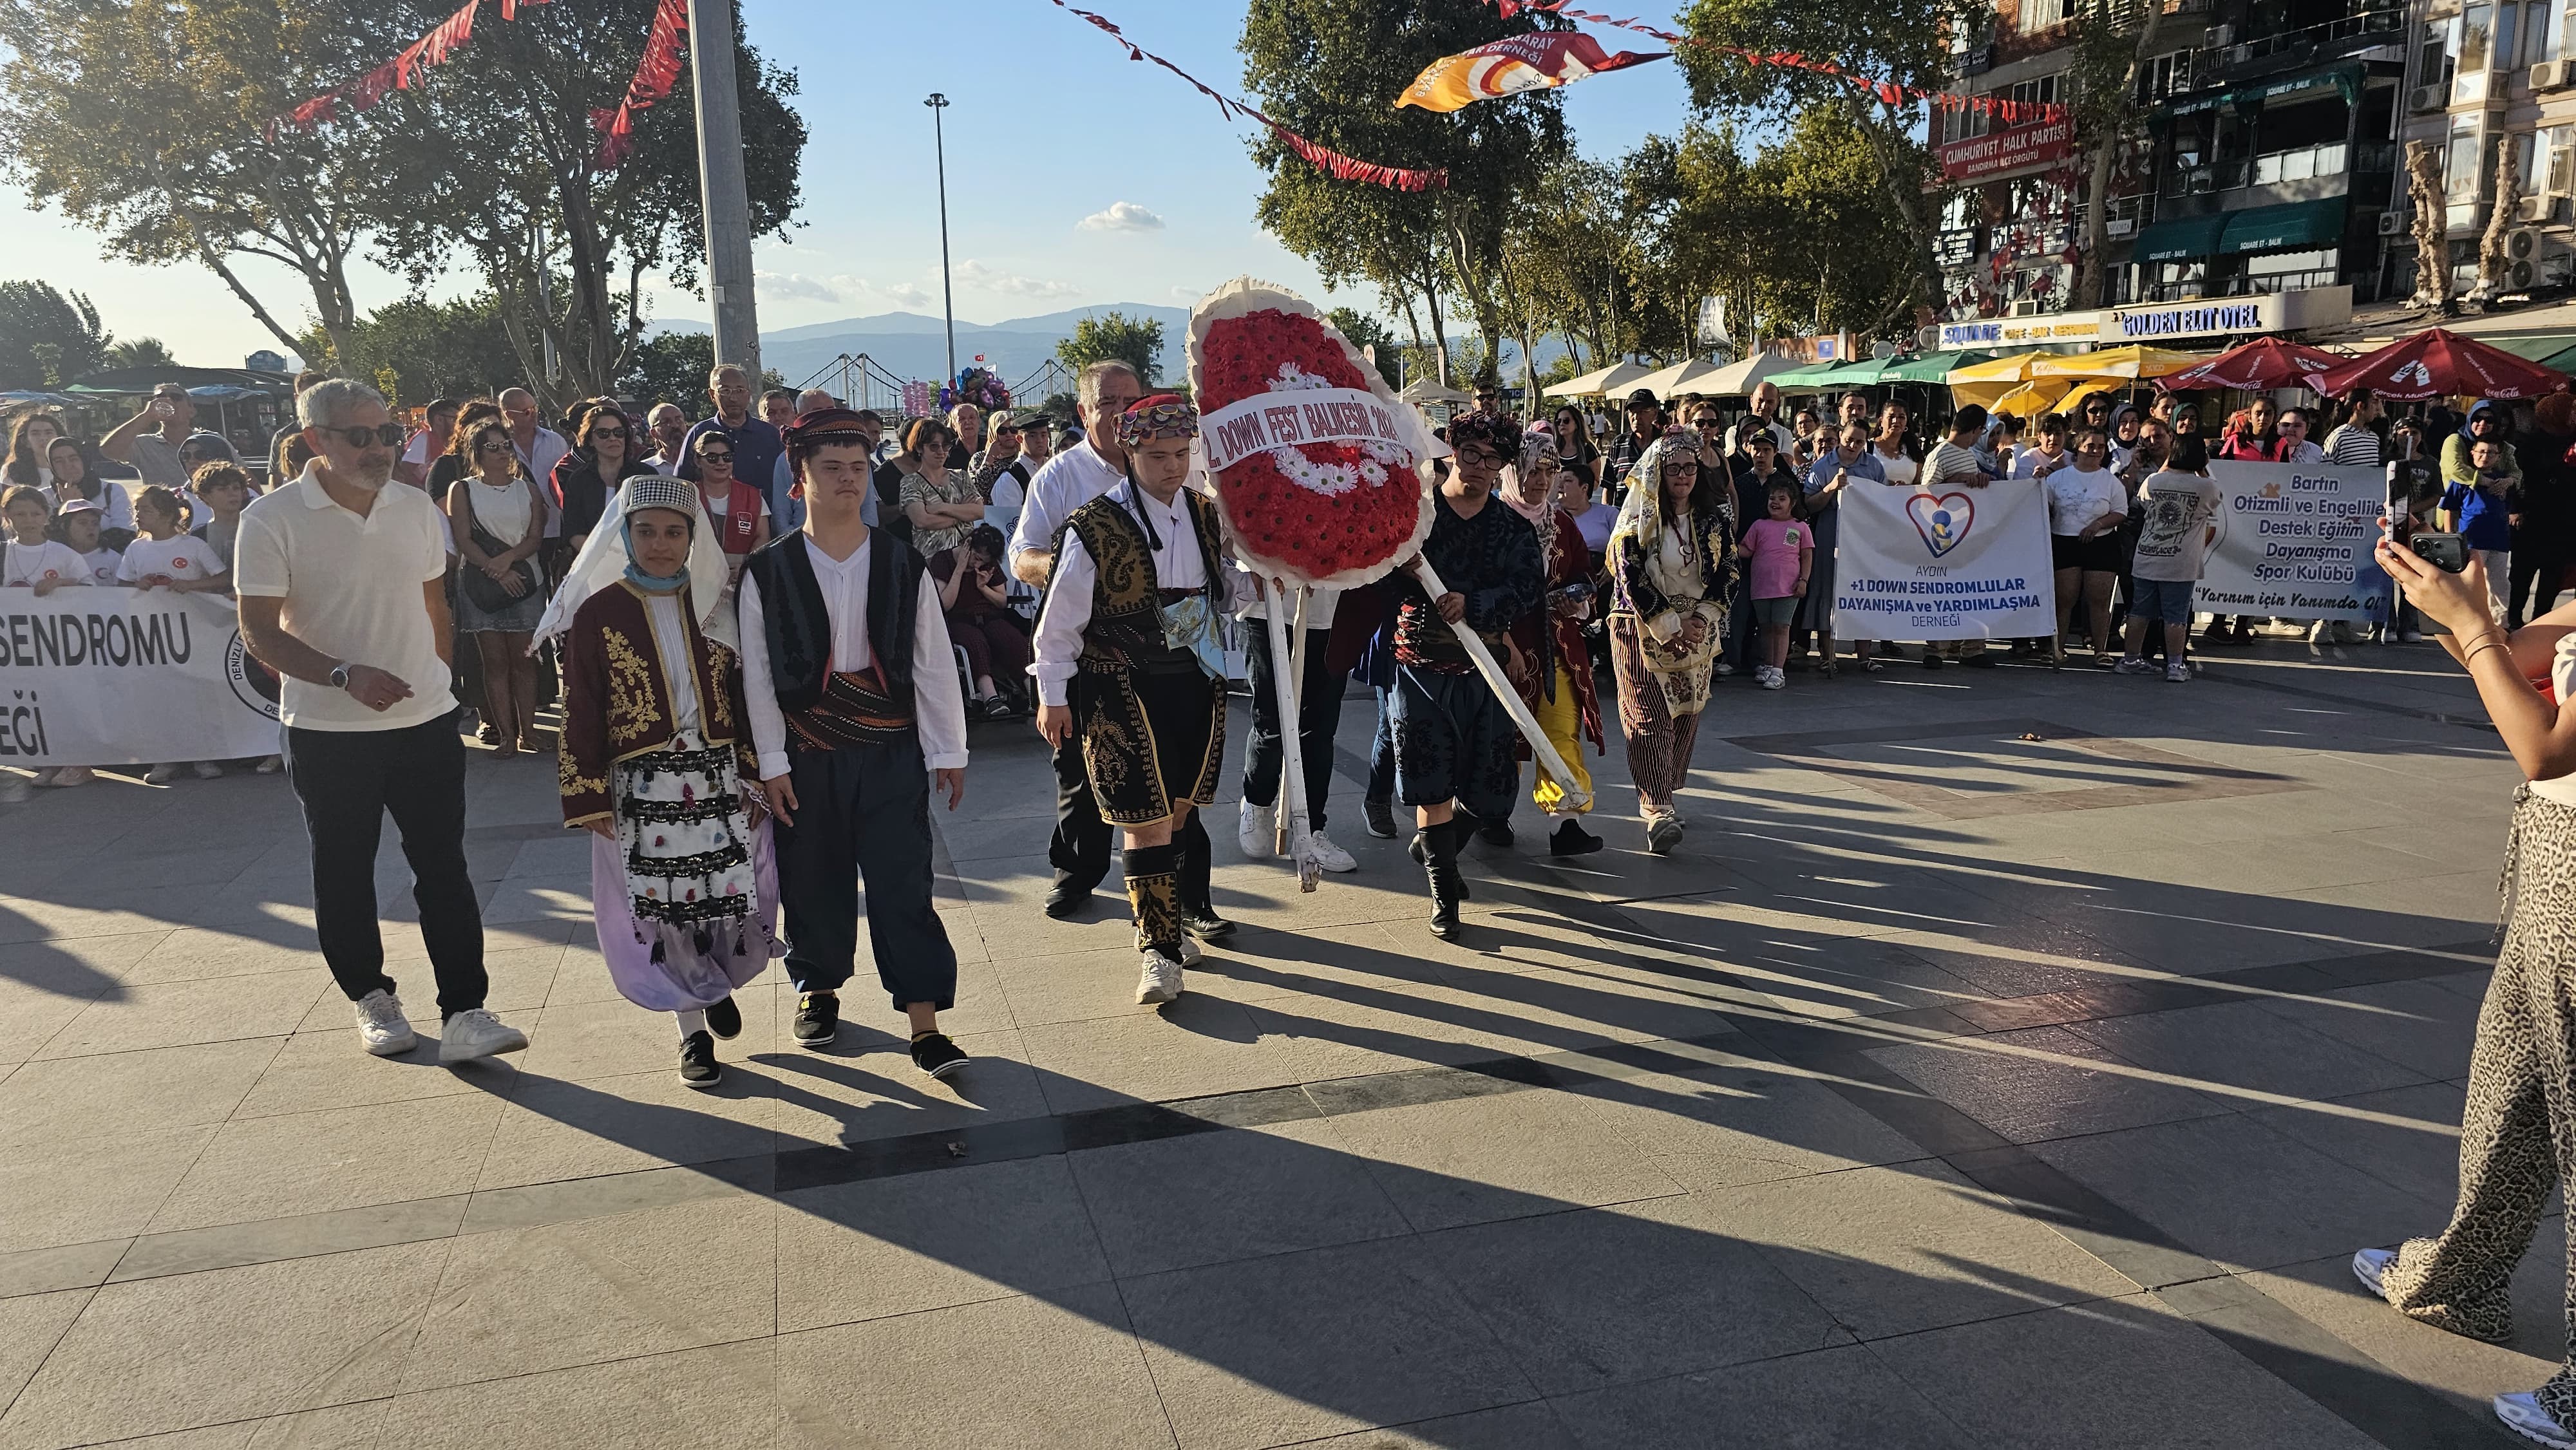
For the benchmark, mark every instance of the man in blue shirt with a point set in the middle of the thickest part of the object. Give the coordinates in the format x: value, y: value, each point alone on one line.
x: 756, y: 445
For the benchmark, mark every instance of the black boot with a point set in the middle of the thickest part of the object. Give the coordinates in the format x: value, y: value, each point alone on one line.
x: 1198, y: 904
x: 1436, y: 847
x: 1572, y: 840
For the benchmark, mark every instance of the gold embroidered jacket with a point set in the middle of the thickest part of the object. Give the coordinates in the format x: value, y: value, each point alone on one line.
x: 617, y: 705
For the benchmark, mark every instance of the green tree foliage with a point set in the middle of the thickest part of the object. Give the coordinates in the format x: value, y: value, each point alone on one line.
x: 1364, y: 331
x: 140, y: 352
x: 1573, y: 251
x: 1905, y: 41
x: 2114, y: 42
x: 47, y: 339
x: 1137, y: 342
x: 431, y: 350
x: 1331, y: 70
x: 671, y: 367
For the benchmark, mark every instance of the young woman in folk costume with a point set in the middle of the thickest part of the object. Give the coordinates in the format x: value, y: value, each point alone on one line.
x: 1559, y: 687
x: 653, y: 759
x: 1672, y: 563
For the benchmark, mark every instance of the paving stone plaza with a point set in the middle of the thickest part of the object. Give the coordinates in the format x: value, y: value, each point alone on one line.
x: 2005, y: 1059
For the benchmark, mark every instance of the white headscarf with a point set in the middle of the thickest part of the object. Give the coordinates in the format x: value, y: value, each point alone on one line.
x: 602, y: 563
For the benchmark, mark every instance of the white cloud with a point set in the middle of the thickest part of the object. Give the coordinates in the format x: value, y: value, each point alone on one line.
x: 795, y: 286
x: 907, y: 294
x: 1188, y: 294
x: 1122, y: 216
x: 841, y: 289
x: 974, y: 274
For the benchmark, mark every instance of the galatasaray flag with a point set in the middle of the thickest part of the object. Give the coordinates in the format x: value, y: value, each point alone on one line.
x: 1512, y: 65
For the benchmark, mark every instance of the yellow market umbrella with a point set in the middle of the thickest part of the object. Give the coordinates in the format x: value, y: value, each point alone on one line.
x: 2037, y: 396
x: 1986, y: 382
x: 2133, y: 361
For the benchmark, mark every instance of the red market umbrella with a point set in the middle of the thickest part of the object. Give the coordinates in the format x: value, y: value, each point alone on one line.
x: 2259, y: 366
x: 2436, y: 363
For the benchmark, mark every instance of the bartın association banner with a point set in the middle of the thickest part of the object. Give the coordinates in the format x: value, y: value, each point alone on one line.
x: 113, y: 676
x: 1944, y: 563
x: 2295, y: 541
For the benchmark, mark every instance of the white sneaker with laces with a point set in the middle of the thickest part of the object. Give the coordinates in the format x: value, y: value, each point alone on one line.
x: 161, y: 775
x: 1191, y: 951
x: 2522, y: 1414
x: 1774, y: 679
x: 475, y: 1033
x: 2177, y: 673
x: 2369, y: 1264
x: 1329, y: 856
x: 205, y: 770
x: 1159, y: 981
x: 1258, y: 831
x: 381, y: 1024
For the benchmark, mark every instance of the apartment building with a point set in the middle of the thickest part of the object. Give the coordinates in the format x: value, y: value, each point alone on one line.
x: 2481, y: 77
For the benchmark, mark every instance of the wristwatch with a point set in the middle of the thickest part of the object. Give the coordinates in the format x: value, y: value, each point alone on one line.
x: 339, y: 677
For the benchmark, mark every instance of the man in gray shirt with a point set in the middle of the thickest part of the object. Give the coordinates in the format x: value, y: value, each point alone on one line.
x: 150, y: 439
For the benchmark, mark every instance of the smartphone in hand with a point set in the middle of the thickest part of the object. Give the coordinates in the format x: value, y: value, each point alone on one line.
x: 2446, y: 552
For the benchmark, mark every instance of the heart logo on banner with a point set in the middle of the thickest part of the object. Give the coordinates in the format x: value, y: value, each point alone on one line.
x: 1942, y: 519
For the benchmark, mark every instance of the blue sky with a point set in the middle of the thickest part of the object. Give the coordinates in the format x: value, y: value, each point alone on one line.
x: 1074, y: 175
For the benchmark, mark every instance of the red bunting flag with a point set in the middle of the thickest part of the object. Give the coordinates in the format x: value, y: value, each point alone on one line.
x: 396, y: 74
x: 655, y: 74
x: 1332, y: 163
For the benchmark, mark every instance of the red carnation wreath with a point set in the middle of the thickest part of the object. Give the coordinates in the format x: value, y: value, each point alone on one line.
x: 1330, y: 513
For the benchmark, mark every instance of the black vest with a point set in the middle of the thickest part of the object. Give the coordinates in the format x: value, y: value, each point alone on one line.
x: 799, y: 626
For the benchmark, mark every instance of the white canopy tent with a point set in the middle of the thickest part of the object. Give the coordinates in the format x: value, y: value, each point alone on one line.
x: 1428, y: 391
x: 1742, y: 376
x: 1686, y: 376
x: 1619, y: 377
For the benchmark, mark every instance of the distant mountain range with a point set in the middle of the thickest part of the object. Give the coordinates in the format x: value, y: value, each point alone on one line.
x: 911, y: 346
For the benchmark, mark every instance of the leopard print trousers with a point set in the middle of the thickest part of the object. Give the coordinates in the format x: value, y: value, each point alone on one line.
x: 2518, y: 1132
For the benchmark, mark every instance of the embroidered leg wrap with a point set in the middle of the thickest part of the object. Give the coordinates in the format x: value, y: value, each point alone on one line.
x: 1151, y: 894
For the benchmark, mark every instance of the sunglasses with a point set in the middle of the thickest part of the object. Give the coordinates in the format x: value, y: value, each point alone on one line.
x: 1706, y: 423
x: 387, y: 434
x: 598, y: 433
x: 706, y: 457
x: 501, y: 447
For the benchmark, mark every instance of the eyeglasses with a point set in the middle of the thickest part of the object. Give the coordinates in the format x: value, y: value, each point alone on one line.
x: 500, y: 447
x: 387, y: 434
x: 705, y: 457
x: 1480, y: 455
x: 598, y: 433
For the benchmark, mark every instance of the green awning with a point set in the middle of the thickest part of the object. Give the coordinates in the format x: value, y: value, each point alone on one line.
x: 1857, y: 372
x: 2538, y: 347
x: 2344, y: 76
x: 1931, y: 367
x: 2180, y: 238
x: 2559, y: 361
x: 2318, y: 223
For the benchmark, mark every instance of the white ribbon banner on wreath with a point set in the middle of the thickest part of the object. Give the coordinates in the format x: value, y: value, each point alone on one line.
x: 114, y: 676
x: 1290, y: 416
x: 2295, y: 541
x: 1944, y: 563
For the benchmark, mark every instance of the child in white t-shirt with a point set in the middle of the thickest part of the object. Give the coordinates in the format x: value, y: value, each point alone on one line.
x: 29, y: 559
x: 165, y: 558
x: 79, y: 522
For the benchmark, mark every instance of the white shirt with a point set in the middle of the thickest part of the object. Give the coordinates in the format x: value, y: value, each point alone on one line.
x: 119, y: 505
x: 1178, y: 564
x: 36, y: 563
x: 501, y: 509
x: 1780, y: 432
x: 671, y: 642
x: 1070, y: 479
x: 353, y: 590
x: 103, y: 562
x: 938, y: 705
x: 1899, y: 468
x: 2562, y: 681
x: 2076, y: 498
x: 183, y: 557
x: 417, y: 451
x: 540, y: 456
x: 2026, y: 463
x: 2306, y: 452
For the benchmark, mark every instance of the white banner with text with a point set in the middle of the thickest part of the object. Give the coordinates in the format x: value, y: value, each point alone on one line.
x: 1943, y: 563
x: 115, y: 676
x: 2294, y: 542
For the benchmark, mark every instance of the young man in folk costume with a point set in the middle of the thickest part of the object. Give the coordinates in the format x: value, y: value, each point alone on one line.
x: 1558, y: 686
x: 651, y: 761
x: 1455, y: 744
x: 852, y: 691
x: 1127, y: 645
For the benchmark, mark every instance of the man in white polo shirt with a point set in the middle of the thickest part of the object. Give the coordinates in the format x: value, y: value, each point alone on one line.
x: 339, y: 579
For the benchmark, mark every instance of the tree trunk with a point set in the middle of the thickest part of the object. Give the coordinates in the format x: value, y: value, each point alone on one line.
x: 2106, y: 151
x: 1906, y: 199
x: 2432, y: 250
x: 2492, y: 260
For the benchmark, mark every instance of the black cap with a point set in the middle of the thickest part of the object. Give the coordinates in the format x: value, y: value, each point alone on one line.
x: 1643, y: 398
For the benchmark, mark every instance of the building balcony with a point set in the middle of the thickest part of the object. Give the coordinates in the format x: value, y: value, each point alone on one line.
x: 2299, y: 174
x: 2234, y: 53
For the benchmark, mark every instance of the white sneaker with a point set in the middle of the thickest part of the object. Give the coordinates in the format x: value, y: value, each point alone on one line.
x: 73, y: 775
x: 1191, y: 951
x: 475, y: 1033
x: 161, y: 775
x: 1329, y: 856
x: 381, y: 1024
x: 1724, y: 669
x: 2177, y: 673
x: 2369, y: 1264
x: 15, y: 788
x: 269, y: 765
x: 1258, y: 831
x: 1159, y: 982
x: 206, y: 770
x: 1774, y: 679
x: 2522, y: 1414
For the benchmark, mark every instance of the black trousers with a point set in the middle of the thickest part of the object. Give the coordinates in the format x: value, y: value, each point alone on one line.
x: 348, y: 781
x: 2546, y: 569
x: 863, y: 816
x: 1079, y: 848
x: 1319, y: 720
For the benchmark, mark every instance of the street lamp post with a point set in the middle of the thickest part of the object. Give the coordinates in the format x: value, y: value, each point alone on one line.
x: 947, y: 297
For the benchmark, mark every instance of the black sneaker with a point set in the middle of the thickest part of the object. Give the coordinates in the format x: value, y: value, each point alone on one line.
x: 698, y: 1066
x: 1063, y: 901
x: 934, y: 1054
x: 1572, y: 840
x: 818, y: 1019
x: 1381, y: 818
x: 1206, y: 925
x: 724, y: 1019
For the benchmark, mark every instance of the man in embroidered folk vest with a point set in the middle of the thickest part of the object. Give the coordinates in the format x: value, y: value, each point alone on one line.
x: 1127, y: 644
x: 852, y: 690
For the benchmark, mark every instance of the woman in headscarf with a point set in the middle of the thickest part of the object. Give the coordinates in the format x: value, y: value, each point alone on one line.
x: 653, y: 755
x: 1672, y: 563
x: 1559, y: 686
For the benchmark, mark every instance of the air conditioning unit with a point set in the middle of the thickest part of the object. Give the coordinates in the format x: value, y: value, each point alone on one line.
x: 2120, y: 226
x: 2552, y: 75
x: 2518, y: 276
x: 2028, y: 309
x: 2522, y: 244
x: 2392, y: 224
x: 2428, y: 98
x: 2531, y: 209
x: 2218, y: 36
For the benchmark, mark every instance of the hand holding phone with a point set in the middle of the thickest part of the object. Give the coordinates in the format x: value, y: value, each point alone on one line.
x: 2446, y: 552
